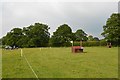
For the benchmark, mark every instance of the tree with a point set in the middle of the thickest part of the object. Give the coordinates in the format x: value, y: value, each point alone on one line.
x: 62, y: 36
x: 0, y: 41
x: 90, y: 38
x: 96, y: 39
x: 13, y: 37
x: 112, y: 28
x: 3, y: 40
x: 80, y: 35
x: 23, y: 41
x: 37, y: 34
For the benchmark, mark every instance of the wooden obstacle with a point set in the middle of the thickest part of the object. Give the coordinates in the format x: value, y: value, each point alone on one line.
x: 77, y: 49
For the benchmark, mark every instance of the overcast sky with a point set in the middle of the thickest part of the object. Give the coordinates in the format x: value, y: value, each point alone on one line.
x: 89, y: 16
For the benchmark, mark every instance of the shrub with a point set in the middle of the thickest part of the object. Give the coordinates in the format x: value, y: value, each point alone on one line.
x: 91, y: 43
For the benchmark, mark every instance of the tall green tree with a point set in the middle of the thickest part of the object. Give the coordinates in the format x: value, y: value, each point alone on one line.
x: 90, y: 38
x: 13, y: 37
x: 112, y: 28
x: 80, y: 35
x: 62, y: 36
x: 0, y: 41
x: 3, y: 40
x: 96, y: 39
x: 37, y: 34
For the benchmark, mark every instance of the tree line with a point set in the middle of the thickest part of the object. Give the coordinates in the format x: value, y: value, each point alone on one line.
x: 37, y: 35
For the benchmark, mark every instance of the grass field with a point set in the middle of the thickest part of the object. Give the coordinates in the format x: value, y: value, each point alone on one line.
x: 95, y: 62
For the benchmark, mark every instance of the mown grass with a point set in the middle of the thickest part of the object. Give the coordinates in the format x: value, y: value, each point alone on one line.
x: 95, y: 62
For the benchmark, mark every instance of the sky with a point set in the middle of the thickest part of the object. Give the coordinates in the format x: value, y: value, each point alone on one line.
x: 88, y: 16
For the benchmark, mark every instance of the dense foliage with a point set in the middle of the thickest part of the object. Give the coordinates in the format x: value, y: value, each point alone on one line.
x: 38, y: 35
x: 80, y: 35
x: 91, y: 43
x: 112, y: 29
x: 62, y: 36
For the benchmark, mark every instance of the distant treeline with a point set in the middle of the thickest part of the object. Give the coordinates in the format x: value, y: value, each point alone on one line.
x: 37, y: 35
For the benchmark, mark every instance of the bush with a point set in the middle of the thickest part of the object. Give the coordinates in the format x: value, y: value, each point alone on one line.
x: 77, y: 43
x: 103, y: 43
x: 66, y: 44
x: 91, y: 43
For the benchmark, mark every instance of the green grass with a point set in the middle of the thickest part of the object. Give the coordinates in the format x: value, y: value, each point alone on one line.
x: 95, y: 62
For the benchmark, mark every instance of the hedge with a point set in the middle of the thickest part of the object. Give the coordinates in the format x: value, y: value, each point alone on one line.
x: 91, y: 43
x: 84, y: 43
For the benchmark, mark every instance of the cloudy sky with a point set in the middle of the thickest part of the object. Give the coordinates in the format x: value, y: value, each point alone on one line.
x: 89, y: 16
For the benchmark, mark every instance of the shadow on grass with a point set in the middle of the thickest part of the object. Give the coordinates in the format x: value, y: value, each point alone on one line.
x: 80, y: 52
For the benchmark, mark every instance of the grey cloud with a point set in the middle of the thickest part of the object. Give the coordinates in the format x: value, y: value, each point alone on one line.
x: 89, y: 16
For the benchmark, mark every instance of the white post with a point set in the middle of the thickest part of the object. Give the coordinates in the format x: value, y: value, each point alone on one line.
x: 21, y: 52
x: 72, y: 43
x: 40, y: 49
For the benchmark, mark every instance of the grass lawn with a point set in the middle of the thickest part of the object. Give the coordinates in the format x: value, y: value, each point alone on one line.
x: 95, y: 62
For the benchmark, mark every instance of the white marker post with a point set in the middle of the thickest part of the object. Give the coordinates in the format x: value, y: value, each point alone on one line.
x: 40, y: 49
x: 72, y: 43
x: 21, y: 53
